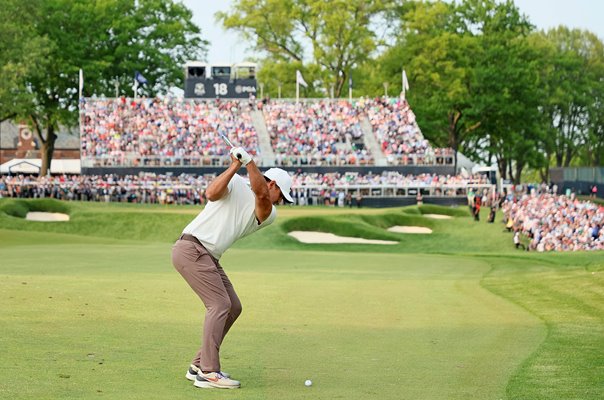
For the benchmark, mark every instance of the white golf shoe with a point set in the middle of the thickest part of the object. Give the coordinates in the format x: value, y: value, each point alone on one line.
x: 215, y: 380
x: 194, y: 374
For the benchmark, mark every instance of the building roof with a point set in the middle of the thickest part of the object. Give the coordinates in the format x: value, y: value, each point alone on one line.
x: 67, y: 138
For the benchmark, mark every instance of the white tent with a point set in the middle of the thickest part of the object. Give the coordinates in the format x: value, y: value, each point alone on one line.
x: 33, y: 165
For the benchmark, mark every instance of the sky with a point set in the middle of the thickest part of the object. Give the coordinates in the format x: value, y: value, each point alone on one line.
x: 229, y: 47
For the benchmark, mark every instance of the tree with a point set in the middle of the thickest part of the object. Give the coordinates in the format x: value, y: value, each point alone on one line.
x: 507, y: 88
x: 22, y: 53
x: 472, y: 77
x: 438, y: 61
x: 573, y: 105
x: 109, y: 40
x: 337, y: 33
x: 508, y: 100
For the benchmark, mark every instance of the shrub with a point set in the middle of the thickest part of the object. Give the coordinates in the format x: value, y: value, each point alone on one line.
x: 20, y: 207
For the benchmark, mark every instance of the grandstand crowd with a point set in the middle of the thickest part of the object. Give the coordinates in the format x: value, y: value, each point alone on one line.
x: 394, y: 125
x: 322, y: 132
x: 153, y: 131
x: 175, y: 131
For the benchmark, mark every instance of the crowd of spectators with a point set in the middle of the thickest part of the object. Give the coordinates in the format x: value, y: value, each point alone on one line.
x: 324, y: 132
x: 388, y: 178
x: 142, y: 188
x: 397, y: 131
x: 174, y: 131
x: 330, y: 188
x: 554, y: 222
x: 167, y: 131
x: 189, y: 188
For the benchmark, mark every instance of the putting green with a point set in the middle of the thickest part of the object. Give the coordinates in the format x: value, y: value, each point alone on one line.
x: 109, y: 319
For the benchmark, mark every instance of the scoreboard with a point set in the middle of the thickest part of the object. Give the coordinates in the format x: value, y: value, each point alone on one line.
x: 211, y: 81
x: 219, y: 88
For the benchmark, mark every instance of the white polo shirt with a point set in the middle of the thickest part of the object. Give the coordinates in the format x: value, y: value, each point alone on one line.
x: 224, y: 221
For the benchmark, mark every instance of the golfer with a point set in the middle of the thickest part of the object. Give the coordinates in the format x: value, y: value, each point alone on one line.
x: 234, y: 210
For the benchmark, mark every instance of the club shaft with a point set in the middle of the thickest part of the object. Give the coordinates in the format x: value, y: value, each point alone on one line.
x: 228, y: 142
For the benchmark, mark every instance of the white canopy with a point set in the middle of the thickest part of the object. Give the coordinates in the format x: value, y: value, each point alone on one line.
x: 33, y: 166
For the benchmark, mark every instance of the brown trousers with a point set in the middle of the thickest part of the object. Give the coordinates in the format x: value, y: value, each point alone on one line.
x: 209, y: 281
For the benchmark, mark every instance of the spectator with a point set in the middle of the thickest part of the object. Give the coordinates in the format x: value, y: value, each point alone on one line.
x: 517, y: 242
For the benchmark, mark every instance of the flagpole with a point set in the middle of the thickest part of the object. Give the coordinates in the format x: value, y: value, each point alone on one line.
x: 403, y: 83
x: 81, y: 84
x: 350, y: 86
x: 297, y: 90
x: 135, y: 88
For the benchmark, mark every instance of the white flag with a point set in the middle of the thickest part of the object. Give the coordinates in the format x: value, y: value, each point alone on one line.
x: 405, y: 81
x: 81, y: 87
x: 299, y: 79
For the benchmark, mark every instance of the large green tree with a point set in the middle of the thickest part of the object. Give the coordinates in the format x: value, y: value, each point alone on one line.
x: 23, y: 53
x: 109, y: 40
x: 507, y: 87
x: 338, y: 35
x: 575, y: 94
x: 473, y: 78
x: 439, y: 62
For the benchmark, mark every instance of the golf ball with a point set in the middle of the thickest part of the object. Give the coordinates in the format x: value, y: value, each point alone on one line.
x: 308, y: 382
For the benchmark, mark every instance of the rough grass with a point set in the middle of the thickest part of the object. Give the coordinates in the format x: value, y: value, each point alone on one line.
x: 568, y: 295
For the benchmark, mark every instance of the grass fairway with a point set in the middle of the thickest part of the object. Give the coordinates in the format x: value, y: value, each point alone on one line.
x: 93, y: 308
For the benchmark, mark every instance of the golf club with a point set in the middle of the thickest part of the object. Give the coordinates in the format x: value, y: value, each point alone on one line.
x: 228, y: 142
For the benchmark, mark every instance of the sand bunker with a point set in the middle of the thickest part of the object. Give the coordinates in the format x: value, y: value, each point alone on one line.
x: 437, y: 216
x: 322, y: 237
x: 410, y: 229
x: 46, y: 216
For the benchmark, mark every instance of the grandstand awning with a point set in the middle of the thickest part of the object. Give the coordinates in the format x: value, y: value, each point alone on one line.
x: 33, y: 166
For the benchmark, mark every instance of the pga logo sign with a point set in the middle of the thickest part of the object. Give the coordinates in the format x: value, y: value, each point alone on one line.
x: 245, y: 89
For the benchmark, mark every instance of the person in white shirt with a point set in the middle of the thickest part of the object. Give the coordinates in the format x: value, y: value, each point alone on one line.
x: 234, y: 210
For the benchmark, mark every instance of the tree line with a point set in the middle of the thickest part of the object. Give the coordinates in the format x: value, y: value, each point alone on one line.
x: 483, y: 80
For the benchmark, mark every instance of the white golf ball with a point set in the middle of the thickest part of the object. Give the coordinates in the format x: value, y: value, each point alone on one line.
x: 308, y: 382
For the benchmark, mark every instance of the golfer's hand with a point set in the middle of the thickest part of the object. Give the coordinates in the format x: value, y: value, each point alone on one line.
x: 240, y: 154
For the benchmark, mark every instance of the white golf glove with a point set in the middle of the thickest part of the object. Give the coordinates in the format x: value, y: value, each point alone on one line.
x: 242, y: 155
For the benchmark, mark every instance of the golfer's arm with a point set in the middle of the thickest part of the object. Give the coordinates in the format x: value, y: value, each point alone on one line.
x: 219, y: 186
x: 259, y: 186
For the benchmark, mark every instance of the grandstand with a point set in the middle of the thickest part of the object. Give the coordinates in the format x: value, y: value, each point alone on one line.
x: 369, y: 148
x: 176, y: 132
x: 367, y: 137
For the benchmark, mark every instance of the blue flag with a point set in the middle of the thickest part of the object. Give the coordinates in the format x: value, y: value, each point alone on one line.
x: 140, y: 78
